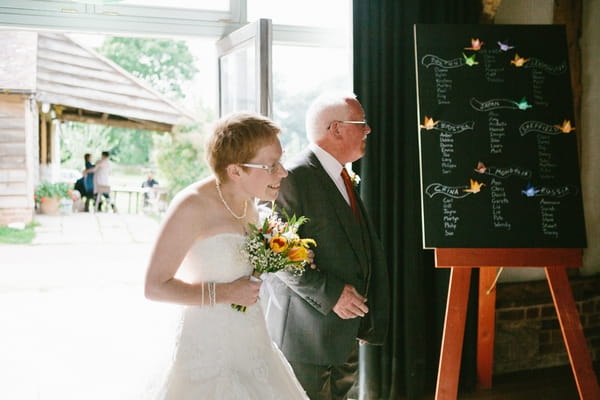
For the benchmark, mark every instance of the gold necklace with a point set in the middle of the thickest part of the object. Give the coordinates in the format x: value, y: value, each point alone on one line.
x: 227, y: 205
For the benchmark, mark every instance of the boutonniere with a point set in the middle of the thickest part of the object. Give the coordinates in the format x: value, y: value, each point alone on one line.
x: 354, y: 178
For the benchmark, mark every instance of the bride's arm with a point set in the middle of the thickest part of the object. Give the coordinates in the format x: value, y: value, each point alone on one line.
x: 176, y: 236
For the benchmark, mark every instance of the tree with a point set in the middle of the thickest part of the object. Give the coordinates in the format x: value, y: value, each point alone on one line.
x: 165, y: 64
x: 180, y: 161
x: 134, y: 145
x: 76, y: 139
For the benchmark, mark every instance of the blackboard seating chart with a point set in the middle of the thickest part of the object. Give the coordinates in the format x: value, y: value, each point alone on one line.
x: 499, y: 164
x: 500, y: 180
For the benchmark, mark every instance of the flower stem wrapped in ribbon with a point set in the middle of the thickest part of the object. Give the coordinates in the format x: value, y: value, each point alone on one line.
x: 276, y: 246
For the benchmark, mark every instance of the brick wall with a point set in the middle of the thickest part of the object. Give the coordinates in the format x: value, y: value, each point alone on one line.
x: 528, y: 334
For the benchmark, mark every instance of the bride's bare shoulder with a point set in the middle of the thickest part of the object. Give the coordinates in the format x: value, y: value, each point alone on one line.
x: 195, y: 198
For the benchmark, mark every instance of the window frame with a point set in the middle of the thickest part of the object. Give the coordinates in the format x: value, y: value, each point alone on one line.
x: 115, y: 18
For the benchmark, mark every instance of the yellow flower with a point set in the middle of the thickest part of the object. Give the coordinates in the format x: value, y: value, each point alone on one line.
x: 298, y: 254
x: 308, y: 242
x: 278, y: 244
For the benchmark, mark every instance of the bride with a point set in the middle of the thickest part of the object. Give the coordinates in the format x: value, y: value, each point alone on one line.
x: 221, y: 353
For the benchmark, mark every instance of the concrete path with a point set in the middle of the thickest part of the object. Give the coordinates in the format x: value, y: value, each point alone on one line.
x: 75, y: 323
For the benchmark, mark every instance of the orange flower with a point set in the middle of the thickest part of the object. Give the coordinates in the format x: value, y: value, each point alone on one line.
x: 278, y: 244
x: 298, y: 254
x: 43, y: 199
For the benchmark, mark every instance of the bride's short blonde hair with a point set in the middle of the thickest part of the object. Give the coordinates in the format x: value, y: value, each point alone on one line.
x: 235, y: 139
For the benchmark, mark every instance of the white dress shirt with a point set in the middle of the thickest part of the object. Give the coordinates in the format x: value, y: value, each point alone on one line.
x: 332, y: 167
x: 102, y: 172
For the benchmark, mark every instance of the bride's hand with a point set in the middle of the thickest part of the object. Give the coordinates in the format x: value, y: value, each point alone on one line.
x: 244, y: 291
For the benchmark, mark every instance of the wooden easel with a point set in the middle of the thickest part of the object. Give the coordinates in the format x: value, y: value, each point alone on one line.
x: 462, y: 261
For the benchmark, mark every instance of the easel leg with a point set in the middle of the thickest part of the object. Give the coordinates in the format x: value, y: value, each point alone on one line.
x: 572, y: 331
x: 486, y: 327
x: 454, y: 332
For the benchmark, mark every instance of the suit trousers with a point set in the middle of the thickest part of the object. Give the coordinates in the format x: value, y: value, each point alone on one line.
x: 328, y: 382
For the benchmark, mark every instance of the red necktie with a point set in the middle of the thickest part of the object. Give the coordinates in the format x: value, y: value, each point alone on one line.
x: 351, y: 195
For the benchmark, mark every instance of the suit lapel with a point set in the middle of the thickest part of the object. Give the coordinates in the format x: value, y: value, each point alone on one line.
x: 343, y: 212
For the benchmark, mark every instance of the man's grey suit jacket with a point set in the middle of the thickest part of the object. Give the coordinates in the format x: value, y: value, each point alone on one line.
x: 300, y: 316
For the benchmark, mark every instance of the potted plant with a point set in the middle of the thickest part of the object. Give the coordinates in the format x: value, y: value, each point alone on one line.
x: 49, y: 195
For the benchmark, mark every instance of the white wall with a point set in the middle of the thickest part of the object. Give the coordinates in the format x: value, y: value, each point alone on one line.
x: 525, y: 12
x: 590, y: 133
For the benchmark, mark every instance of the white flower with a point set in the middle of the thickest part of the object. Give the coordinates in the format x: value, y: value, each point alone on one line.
x: 354, y: 178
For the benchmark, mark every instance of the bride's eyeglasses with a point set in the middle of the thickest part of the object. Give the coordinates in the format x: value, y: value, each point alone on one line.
x: 271, y: 169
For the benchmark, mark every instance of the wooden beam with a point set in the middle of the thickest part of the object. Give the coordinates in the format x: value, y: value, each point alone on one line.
x: 512, y: 257
x: 119, y: 123
x: 43, y: 140
x: 454, y: 332
x: 486, y: 327
x: 570, y: 325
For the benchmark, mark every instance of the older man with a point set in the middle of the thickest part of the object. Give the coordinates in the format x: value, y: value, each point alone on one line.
x: 318, y: 318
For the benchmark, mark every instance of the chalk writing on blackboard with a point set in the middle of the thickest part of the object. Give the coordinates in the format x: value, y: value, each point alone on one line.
x: 503, y: 172
x: 494, y: 72
x: 497, y: 131
x: 499, y: 202
x: 499, y: 163
x: 548, y: 210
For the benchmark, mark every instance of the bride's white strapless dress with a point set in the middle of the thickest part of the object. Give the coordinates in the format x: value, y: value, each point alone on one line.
x: 221, y: 353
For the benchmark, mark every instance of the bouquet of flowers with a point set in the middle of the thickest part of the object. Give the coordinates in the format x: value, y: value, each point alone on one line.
x: 276, y: 246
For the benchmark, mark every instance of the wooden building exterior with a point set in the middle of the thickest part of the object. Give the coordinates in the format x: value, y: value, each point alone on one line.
x: 47, y: 78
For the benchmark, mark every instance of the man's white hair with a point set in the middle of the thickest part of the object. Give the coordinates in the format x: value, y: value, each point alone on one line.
x: 325, y: 109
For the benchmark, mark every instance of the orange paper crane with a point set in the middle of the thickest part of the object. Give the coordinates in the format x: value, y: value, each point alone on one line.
x: 428, y: 123
x: 565, y: 127
x: 476, y: 44
x: 518, y: 61
x: 475, y: 186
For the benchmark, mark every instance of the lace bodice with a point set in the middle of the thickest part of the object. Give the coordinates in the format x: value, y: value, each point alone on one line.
x: 217, y: 258
x: 222, y: 353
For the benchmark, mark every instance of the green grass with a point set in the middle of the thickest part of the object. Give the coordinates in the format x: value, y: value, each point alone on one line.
x: 18, y: 236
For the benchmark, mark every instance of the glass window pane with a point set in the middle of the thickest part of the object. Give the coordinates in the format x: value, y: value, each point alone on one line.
x: 328, y: 13
x: 216, y: 5
x: 238, y: 80
x: 297, y: 84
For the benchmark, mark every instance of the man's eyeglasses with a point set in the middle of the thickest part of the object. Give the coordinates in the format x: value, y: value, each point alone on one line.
x: 271, y: 169
x: 363, y: 123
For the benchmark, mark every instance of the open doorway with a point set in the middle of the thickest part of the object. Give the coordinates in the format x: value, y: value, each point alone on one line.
x: 77, y: 325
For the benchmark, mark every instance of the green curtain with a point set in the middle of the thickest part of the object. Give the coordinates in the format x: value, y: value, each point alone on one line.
x: 384, y: 81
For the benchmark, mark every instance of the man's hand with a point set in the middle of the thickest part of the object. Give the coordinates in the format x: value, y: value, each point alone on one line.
x: 350, y: 304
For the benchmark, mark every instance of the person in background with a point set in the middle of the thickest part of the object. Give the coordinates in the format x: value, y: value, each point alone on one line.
x: 88, y: 181
x: 148, y: 184
x: 319, y: 318
x: 102, y: 171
